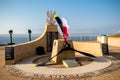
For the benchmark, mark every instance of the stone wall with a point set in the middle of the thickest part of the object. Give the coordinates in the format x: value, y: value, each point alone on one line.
x: 91, y: 47
x: 2, y: 47
x: 29, y: 48
x: 112, y: 41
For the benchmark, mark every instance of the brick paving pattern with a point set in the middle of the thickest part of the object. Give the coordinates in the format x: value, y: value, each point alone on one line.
x: 113, y: 72
x: 25, y: 68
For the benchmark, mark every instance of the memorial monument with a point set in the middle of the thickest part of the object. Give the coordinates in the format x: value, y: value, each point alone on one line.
x: 52, y: 47
x: 51, y: 42
x: 66, y: 53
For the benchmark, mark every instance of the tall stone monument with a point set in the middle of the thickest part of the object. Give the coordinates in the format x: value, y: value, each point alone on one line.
x: 17, y: 52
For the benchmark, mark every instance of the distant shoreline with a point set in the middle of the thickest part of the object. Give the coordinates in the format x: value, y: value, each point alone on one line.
x: 22, y: 38
x: 2, y: 44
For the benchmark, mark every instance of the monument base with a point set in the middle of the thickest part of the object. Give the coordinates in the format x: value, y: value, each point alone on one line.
x: 57, y: 46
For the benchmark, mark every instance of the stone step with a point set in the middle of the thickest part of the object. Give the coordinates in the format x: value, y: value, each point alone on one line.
x: 70, y: 63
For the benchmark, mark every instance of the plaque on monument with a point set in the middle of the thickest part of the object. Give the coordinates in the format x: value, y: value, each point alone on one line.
x: 55, y: 35
x: 9, y: 53
x: 105, y: 49
x: 50, y: 38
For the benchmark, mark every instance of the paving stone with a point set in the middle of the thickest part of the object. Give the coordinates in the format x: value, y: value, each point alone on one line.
x: 41, y: 76
x: 57, y: 76
x: 67, y: 76
x: 30, y: 79
x: 80, y: 75
x: 47, y: 76
x: 74, y: 75
x: 29, y: 74
x: 62, y: 76
x: 97, y: 72
x: 53, y: 76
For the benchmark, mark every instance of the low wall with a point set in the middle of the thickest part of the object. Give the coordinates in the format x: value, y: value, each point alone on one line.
x: 99, y: 38
x: 2, y: 47
x: 29, y: 48
x: 112, y: 41
x: 91, y: 47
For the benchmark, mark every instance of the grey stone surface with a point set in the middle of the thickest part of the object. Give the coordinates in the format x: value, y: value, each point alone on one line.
x: 70, y: 63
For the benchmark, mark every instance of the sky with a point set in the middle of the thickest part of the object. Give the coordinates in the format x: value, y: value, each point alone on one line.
x: 83, y: 16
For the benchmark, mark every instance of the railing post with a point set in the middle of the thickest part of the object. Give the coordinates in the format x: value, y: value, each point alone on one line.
x: 90, y: 37
x: 80, y: 37
x: 29, y: 32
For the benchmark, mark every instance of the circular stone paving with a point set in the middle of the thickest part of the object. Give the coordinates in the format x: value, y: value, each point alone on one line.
x: 80, y: 60
x: 97, y: 66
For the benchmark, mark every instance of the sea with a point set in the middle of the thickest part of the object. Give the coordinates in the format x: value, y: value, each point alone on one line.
x: 21, y: 38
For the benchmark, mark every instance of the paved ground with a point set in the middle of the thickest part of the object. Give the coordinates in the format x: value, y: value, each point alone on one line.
x: 25, y: 68
x: 112, y: 75
x: 26, y: 65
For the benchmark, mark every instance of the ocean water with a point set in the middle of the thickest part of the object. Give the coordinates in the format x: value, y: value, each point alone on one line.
x: 21, y: 38
x: 17, y: 38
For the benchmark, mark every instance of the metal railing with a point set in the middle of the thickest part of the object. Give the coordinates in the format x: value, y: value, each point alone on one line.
x: 83, y: 37
x: 4, y: 39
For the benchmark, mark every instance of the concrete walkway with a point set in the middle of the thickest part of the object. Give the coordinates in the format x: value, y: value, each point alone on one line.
x: 98, y: 66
